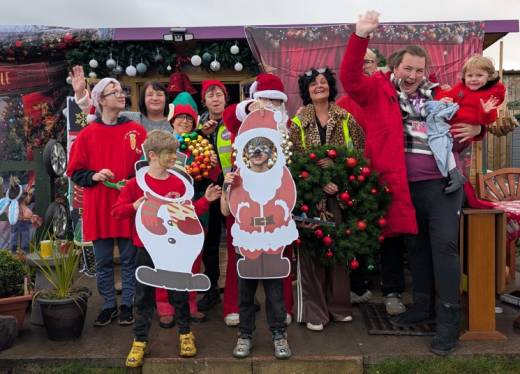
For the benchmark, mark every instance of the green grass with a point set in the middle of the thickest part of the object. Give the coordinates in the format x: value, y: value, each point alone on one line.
x: 437, y: 365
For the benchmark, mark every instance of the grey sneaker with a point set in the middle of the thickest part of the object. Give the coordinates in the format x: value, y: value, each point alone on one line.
x: 393, y: 304
x: 281, y: 349
x: 243, y: 348
x: 357, y: 299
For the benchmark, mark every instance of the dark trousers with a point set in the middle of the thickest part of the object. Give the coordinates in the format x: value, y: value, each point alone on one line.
x: 145, y: 303
x: 433, y: 253
x: 210, y: 250
x: 392, y: 267
x: 359, y: 280
x: 274, y: 306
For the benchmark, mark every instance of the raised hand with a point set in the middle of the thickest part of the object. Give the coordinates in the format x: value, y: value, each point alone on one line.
x: 490, y: 104
x: 367, y: 23
x: 79, y: 84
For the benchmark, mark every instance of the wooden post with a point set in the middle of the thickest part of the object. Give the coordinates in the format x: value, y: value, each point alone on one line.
x: 480, y: 225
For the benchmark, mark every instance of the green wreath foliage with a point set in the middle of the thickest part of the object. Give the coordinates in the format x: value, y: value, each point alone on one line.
x: 363, y: 207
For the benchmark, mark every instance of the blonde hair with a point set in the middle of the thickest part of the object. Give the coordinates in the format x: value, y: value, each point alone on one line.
x: 482, y: 63
x: 160, y: 140
x: 371, y: 54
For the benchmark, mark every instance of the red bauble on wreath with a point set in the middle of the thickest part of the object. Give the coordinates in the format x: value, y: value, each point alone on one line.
x: 351, y: 162
x: 344, y: 196
x: 354, y: 264
x: 361, y: 225
x: 318, y: 233
x: 327, y: 241
x: 331, y: 153
x: 312, y: 156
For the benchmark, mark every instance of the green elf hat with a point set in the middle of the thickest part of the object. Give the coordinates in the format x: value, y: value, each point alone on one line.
x: 183, y: 104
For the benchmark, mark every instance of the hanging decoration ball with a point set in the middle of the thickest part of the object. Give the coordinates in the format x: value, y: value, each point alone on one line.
x: 304, y: 174
x: 206, y: 57
x: 234, y: 49
x: 329, y: 253
x: 361, y: 178
x: 331, y: 153
x: 354, y: 264
x: 373, y: 191
x: 68, y: 37
x: 381, y: 238
x: 327, y: 241
x: 93, y: 63
x: 18, y: 44
x: 371, y: 267
x: 352, y: 178
x: 312, y: 156
x: 350, y: 203
x: 318, y: 233
x: 215, y: 65
x: 361, y: 225
x: 351, y: 162
x: 382, y: 222
x: 118, y: 70
x: 131, y: 71
x: 344, y: 196
x: 298, y: 242
x: 348, y: 232
x: 196, y: 60
x: 141, y: 68
x: 111, y: 63
x: 69, y: 80
x: 365, y: 171
x: 169, y: 67
x: 304, y: 208
x: 238, y: 66
x: 92, y: 75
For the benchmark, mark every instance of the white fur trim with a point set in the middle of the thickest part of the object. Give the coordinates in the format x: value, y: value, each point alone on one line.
x: 240, y: 110
x: 282, y: 204
x: 240, y: 206
x: 253, y: 241
x: 252, y: 89
x: 91, y: 118
x: 270, y: 94
x: 170, y: 112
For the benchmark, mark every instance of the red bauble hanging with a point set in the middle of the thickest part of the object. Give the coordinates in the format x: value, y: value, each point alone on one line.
x: 329, y: 253
x: 304, y: 174
x: 386, y: 189
x: 18, y: 44
x: 354, y: 264
x: 348, y: 232
x: 350, y: 203
x: 352, y: 178
x: 382, y: 222
x: 381, y: 238
x: 68, y: 37
x: 351, y: 162
x: 361, y: 178
x: 312, y: 156
x: 331, y: 153
x: 318, y: 233
x: 327, y: 241
x: 344, y: 196
x: 304, y: 208
x: 373, y: 191
x: 361, y: 225
x: 298, y: 242
x: 365, y: 171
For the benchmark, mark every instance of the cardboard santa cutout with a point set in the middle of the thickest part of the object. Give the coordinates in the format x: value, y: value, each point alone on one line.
x: 172, y: 234
x: 262, y: 201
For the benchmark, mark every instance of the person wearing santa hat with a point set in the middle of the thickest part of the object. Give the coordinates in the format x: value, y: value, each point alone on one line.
x: 267, y: 91
x: 101, y: 159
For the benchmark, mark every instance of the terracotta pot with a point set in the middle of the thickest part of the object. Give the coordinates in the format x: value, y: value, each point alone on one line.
x: 15, y: 306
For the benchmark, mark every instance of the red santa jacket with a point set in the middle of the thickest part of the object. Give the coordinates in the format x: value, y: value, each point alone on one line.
x: 470, y: 110
x: 384, y: 133
x: 123, y: 209
x: 99, y: 146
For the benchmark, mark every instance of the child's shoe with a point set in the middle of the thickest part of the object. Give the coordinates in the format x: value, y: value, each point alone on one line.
x: 136, y: 356
x: 187, y: 345
x: 243, y: 348
x: 281, y: 348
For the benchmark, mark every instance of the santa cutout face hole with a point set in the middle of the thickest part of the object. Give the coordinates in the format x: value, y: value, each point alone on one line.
x: 259, y: 154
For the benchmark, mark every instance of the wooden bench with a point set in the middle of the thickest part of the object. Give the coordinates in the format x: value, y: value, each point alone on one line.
x: 500, y: 186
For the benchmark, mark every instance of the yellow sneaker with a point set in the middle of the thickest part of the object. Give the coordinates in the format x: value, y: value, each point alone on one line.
x: 136, y: 356
x: 187, y: 345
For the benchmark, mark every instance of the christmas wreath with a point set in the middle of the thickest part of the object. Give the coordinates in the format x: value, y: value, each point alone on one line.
x: 362, y: 200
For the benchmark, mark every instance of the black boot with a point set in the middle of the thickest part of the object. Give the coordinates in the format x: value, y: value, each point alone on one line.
x: 420, y: 312
x: 210, y: 298
x: 448, y: 320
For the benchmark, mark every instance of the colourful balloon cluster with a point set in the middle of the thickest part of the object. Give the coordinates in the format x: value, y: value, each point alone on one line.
x: 194, y: 144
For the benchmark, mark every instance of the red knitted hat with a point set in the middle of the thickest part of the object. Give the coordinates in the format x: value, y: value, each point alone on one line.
x: 210, y: 83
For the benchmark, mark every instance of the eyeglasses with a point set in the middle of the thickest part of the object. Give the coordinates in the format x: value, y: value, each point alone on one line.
x: 308, y: 73
x: 368, y: 62
x: 185, y: 117
x: 116, y: 94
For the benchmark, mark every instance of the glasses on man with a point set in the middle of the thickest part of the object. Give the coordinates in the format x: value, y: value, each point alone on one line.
x: 116, y: 94
x: 185, y: 117
x: 308, y: 73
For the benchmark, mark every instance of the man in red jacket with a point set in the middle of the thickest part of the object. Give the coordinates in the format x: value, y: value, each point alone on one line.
x: 387, y: 97
x: 101, y: 158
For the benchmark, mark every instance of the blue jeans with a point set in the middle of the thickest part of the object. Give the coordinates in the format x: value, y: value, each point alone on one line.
x: 21, y: 231
x: 104, y: 253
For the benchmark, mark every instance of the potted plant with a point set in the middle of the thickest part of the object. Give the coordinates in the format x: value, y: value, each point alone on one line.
x: 14, y: 294
x: 63, y: 307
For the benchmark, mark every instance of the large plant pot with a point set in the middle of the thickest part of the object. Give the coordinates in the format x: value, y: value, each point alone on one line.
x: 64, y: 319
x: 15, y: 306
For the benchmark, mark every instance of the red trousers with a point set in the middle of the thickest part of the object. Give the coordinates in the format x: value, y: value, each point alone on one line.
x: 231, y: 286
